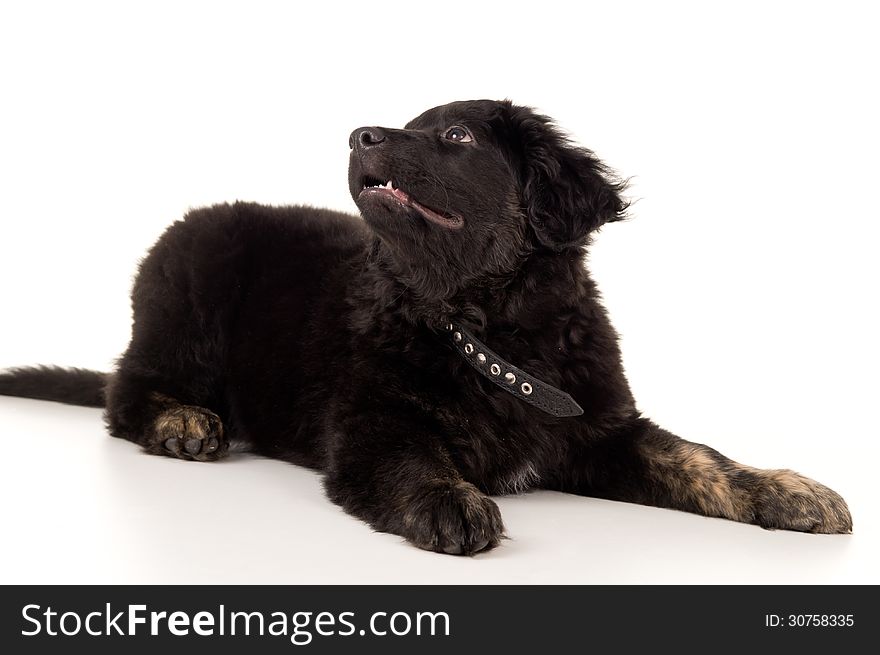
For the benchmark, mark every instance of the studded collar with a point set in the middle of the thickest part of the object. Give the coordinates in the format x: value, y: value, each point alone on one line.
x: 513, y: 380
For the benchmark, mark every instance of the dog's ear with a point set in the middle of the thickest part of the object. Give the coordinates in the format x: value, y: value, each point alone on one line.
x: 566, y: 191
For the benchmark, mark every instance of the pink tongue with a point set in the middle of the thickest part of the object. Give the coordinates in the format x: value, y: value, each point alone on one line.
x: 400, y: 195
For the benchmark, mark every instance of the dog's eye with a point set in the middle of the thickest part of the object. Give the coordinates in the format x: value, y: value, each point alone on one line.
x: 458, y: 134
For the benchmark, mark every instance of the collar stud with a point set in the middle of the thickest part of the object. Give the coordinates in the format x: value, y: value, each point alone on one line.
x: 530, y: 389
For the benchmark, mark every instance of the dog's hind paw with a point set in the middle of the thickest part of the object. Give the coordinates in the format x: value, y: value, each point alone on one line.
x: 189, y: 432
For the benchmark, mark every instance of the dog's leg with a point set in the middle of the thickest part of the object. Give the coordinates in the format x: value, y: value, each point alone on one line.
x: 160, y: 423
x: 648, y: 465
x: 398, y: 477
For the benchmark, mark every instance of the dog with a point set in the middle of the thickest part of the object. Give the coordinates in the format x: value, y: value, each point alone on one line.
x: 446, y: 345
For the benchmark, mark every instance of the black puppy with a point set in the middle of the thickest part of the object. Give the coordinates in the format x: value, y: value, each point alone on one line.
x: 449, y: 346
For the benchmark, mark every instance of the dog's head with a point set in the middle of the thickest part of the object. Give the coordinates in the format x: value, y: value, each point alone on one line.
x: 473, y: 185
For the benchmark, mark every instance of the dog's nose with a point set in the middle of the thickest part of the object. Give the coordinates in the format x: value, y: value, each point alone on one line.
x: 366, y: 137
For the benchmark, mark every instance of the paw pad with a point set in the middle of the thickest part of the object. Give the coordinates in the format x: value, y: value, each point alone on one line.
x: 189, y: 432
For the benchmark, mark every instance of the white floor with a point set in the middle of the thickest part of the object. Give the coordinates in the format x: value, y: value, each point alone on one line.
x: 81, y: 507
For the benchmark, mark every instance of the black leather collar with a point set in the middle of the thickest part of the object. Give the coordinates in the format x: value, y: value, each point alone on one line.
x: 513, y: 380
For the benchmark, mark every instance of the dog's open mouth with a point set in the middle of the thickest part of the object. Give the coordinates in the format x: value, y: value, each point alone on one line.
x: 389, y: 189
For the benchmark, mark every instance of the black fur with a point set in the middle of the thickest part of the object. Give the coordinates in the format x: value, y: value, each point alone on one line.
x: 317, y: 337
x: 75, y: 386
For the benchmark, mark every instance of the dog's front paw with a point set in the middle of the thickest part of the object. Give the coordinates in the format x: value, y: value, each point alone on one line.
x: 454, y: 518
x: 788, y: 501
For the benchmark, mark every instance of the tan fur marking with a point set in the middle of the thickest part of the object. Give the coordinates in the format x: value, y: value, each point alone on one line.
x: 169, y: 422
x: 195, y: 426
x: 184, y: 421
x: 694, y: 477
x: 776, y: 498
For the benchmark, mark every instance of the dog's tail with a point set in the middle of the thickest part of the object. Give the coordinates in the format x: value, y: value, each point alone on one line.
x: 74, y: 386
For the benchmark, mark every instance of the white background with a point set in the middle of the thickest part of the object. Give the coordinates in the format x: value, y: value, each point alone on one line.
x: 744, y: 288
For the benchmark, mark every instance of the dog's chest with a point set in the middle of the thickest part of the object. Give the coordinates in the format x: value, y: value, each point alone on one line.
x: 496, y: 449
x: 519, y: 480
